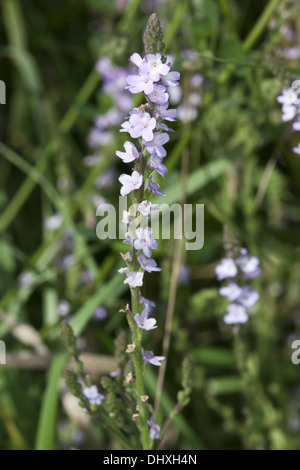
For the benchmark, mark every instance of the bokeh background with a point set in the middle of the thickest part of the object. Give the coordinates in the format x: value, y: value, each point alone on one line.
x: 59, y: 131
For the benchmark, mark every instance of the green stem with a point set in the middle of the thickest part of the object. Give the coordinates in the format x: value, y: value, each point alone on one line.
x: 260, y: 25
x: 137, y: 336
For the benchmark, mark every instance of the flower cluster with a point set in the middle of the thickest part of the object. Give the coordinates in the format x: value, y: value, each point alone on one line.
x: 238, y: 269
x: 147, y: 123
x: 291, y: 110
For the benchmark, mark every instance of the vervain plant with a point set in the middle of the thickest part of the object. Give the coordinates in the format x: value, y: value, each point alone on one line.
x: 126, y: 401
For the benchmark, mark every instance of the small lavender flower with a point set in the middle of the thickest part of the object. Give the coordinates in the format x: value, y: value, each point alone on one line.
x: 248, y: 297
x: 148, y: 304
x: 145, y: 241
x: 133, y: 278
x: 156, y: 164
x: 146, y: 206
x: 130, y: 183
x: 165, y: 113
x: 158, y: 95
x: 140, y: 125
x: 53, y: 222
x: 140, y: 83
x: 100, y: 314
x: 297, y: 148
x: 288, y: 97
x: 26, y: 279
x: 226, y: 269
x: 171, y: 79
x: 154, y: 67
x: 144, y: 322
x: 156, y: 144
x: 185, y: 275
x: 131, y: 153
x: 155, y: 431
x: 154, y: 187
x: 250, y: 266
x: 149, y: 358
x: 232, y: 291
x: 93, y: 395
x: 63, y: 308
x: 148, y: 264
x: 235, y: 314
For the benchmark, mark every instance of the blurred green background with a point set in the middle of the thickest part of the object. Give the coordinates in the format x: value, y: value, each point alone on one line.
x: 239, y: 163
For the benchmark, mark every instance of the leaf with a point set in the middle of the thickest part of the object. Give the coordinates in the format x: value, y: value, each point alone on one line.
x: 45, y: 437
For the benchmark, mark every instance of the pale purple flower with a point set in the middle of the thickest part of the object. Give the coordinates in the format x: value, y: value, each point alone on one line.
x: 250, y: 266
x: 296, y: 125
x: 148, y: 304
x: 148, y: 264
x: 134, y: 279
x: 175, y: 94
x: 289, y: 112
x: 130, y: 183
x: 154, y: 67
x: 171, y: 79
x: 144, y: 322
x: 113, y: 117
x: 93, y: 395
x: 140, y: 83
x: 154, y: 187
x: 288, y: 97
x: 158, y: 95
x: 232, y: 291
x: 248, y: 297
x: 100, y: 314
x: 126, y: 127
x: 297, y: 149
x: 164, y: 127
x: 292, y: 53
x: 136, y: 59
x: 141, y: 126
x: 184, y: 275
x: 197, y: 80
x: 63, y: 308
x: 68, y: 261
x: 187, y: 113
x: 115, y: 373
x: 92, y: 160
x: 165, y: 113
x: 226, y: 269
x: 106, y: 179
x: 128, y: 239
x: 235, y: 314
x: 131, y: 153
x: 99, y: 137
x: 149, y: 358
x: 145, y: 207
x: 53, y: 222
x: 155, y: 431
x: 156, y: 164
x: 156, y: 144
x: 145, y: 241
x: 26, y: 279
